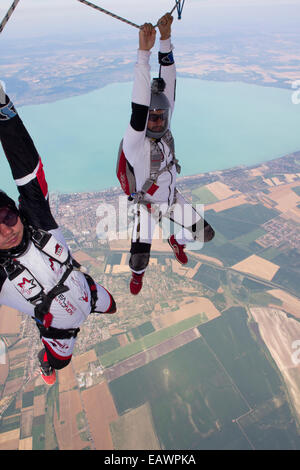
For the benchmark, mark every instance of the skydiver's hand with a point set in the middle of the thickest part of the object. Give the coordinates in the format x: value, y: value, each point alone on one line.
x: 147, y: 36
x: 164, y: 26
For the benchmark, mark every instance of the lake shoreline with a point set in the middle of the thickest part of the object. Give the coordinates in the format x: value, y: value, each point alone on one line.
x: 225, y: 125
x: 179, y: 75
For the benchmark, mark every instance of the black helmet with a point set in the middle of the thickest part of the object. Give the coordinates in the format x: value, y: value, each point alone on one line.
x: 159, y: 101
x: 6, y: 201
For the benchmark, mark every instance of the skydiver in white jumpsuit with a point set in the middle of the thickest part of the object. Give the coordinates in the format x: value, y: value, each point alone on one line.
x: 38, y: 275
x: 148, y: 136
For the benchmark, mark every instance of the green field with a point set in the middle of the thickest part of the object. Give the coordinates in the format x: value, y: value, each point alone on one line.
x: 240, y: 221
x: 38, y: 433
x: 269, y: 253
x: 209, y: 276
x: 228, y: 253
x: 198, y: 391
x: 52, y: 405
x: 288, y: 278
x: 245, y: 240
x: 150, y: 340
x: 229, y: 338
x: 203, y: 196
x: 253, y: 286
x: 15, y: 373
x: 237, y: 230
x: 10, y: 423
x: 27, y: 399
x: 39, y: 390
x: 11, y: 409
x: 106, y: 346
x: 184, y: 383
x: 142, y: 330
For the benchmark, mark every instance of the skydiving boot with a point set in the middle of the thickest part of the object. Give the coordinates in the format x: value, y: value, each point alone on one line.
x: 178, y: 250
x: 47, y: 372
x: 136, y: 283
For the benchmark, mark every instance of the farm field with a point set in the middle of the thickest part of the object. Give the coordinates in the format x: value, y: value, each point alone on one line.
x: 150, y: 340
x: 134, y: 430
x: 203, y: 404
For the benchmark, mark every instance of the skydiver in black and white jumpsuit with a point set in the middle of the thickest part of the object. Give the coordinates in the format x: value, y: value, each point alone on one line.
x: 69, y: 309
x: 150, y: 122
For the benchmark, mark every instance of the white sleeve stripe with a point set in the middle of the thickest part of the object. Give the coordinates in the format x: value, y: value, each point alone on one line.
x: 26, y: 179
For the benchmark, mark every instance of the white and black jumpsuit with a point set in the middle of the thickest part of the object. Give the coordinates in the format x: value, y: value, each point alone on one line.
x: 70, y: 309
x: 137, y: 148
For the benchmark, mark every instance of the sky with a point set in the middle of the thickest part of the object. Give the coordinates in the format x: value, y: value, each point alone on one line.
x: 34, y: 18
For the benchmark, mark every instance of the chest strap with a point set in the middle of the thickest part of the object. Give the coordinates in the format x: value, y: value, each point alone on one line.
x: 43, y: 301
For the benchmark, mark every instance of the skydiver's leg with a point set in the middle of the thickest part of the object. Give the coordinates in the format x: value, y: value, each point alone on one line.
x: 49, y: 363
x: 143, y: 230
x: 194, y: 226
x: 45, y: 355
x: 59, y: 351
x: 142, y: 234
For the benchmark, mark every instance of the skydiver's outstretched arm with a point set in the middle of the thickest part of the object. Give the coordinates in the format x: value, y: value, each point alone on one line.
x: 166, y: 59
x: 26, y: 166
x: 141, y: 94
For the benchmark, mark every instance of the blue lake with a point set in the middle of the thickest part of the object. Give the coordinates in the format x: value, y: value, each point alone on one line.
x: 216, y: 125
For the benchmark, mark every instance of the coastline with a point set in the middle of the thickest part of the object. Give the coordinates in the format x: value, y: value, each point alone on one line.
x: 203, y: 147
x: 280, y: 85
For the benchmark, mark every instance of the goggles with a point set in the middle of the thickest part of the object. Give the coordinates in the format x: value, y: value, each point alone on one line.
x: 8, y: 217
x: 156, y: 117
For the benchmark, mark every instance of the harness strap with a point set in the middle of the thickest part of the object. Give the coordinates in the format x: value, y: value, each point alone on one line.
x: 56, y: 333
x: 140, y: 196
x: 150, y: 186
x: 44, y: 301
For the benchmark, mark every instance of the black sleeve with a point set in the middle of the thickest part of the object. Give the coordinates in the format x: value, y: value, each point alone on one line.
x: 139, y: 117
x: 28, y: 173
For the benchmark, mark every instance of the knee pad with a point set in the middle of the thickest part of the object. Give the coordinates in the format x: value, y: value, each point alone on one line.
x: 209, y: 233
x: 139, y: 261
